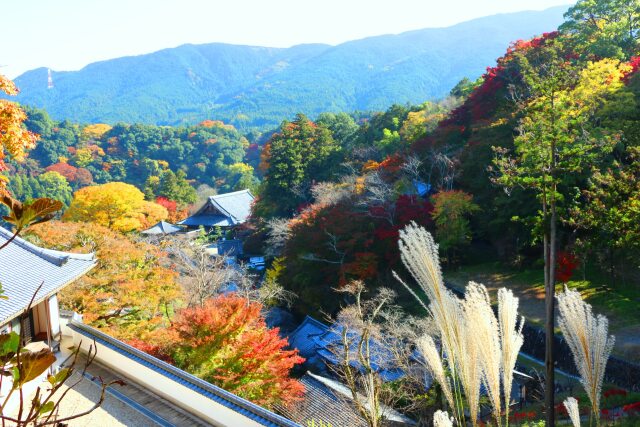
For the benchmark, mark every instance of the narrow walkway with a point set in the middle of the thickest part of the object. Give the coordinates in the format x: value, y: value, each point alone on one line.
x: 159, y: 410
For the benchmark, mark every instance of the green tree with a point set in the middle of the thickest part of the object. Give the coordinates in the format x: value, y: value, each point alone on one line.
x: 390, y: 141
x: 342, y: 126
x: 55, y: 186
x: 174, y: 186
x: 240, y: 177
x: 611, y: 211
x: 451, y: 211
x: 419, y: 123
x: 302, y: 152
x: 605, y: 28
x: 558, y: 141
x: 381, y: 130
x: 464, y: 87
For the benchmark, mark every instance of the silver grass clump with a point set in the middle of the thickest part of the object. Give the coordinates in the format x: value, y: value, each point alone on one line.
x: 484, y: 332
x: 477, y: 346
x: 589, y: 341
x: 419, y: 253
x: 572, y: 409
x: 511, y: 340
x: 441, y: 419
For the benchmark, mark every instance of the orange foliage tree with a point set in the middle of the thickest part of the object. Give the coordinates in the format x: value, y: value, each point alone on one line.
x: 129, y: 292
x: 228, y: 343
x: 116, y: 205
x: 15, y: 139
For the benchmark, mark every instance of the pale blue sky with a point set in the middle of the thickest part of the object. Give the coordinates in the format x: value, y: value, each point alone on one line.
x: 68, y: 34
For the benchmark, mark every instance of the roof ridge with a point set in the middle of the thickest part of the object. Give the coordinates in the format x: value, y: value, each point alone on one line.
x: 54, y: 257
x: 233, y: 193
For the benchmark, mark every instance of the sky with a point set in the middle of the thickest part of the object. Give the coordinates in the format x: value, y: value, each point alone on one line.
x: 69, y: 34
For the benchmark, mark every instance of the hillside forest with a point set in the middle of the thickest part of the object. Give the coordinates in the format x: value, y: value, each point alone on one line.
x: 527, y: 177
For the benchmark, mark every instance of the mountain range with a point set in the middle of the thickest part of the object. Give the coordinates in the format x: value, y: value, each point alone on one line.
x: 260, y: 86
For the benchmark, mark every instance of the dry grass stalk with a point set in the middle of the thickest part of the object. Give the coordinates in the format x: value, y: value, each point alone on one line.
x: 441, y: 419
x: 573, y: 410
x: 588, y: 339
x: 511, y: 340
x: 470, y: 372
x: 427, y: 347
x: 484, y: 331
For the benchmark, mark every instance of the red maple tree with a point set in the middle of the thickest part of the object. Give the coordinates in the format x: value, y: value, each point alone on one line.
x: 227, y: 342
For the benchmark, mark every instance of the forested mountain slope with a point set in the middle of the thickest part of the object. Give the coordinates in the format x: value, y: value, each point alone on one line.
x: 258, y: 86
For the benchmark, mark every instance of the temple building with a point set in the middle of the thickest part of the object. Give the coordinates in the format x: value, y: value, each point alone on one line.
x: 223, y: 210
x: 24, y: 268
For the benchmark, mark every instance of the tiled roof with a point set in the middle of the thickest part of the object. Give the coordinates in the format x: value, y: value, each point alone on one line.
x: 321, y: 403
x: 207, y: 221
x: 303, y: 336
x: 24, y: 266
x: 228, y: 209
x: 242, y: 406
x: 162, y: 227
x: 237, y: 204
x: 331, y: 401
x: 314, y: 338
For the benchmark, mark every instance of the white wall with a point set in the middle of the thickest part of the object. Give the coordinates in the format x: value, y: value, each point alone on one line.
x: 191, y: 401
x: 54, y: 315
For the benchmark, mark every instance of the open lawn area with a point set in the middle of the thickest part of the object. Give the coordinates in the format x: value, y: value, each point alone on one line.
x: 621, y: 304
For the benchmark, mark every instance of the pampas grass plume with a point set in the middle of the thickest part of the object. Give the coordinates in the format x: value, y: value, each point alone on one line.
x: 441, y: 419
x: 572, y: 409
x: 589, y: 341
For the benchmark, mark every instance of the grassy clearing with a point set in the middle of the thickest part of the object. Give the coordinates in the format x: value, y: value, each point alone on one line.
x: 619, y: 303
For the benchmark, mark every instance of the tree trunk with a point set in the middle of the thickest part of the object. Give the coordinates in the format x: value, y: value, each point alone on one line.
x: 550, y: 319
x: 550, y: 277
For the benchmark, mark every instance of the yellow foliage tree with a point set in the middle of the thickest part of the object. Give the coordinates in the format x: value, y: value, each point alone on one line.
x: 129, y: 293
x: 419, y: 123
x: 95, y: 131
x: 116, y: 205
x: 83, y: 157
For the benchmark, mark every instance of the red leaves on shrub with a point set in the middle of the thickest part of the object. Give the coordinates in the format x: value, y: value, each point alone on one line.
x: 566, y: 264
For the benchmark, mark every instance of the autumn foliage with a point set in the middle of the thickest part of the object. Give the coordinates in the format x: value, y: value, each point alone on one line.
x: 15, y: 140
x: 566, y: 264
x: 174, y: 214
x: 127, y: 292
x: 80, y: 176
x: 115, y: 205
x: 227, y: 343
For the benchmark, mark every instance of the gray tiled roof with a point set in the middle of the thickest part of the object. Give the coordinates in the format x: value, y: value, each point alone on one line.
x: 302, y: 337
x: 223, y: 210
x: 207, y: 221
x: 24, y: 266
x: 162, y: 227
x: 237, y: 204
x: 321, y: 403
x: 331, y: 401
x: 313, y: 338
